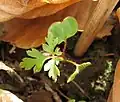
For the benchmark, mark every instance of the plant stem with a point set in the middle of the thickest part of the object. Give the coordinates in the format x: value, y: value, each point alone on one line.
x: 74, y: 63
x: 64, y: 49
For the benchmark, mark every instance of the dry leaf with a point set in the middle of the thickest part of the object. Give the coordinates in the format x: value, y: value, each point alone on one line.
x: 105, y: 31
x: 110, y: 99
x: 96, y: 21
x: 116, y: 85
x: 6, y: 96
x: 46, y: 10
x: 5, y: 16
x: 118, y: 13
x: 24, y: 33
x: 31, y: 33
x: 115, y: 91
x: 41, y: 96
x: 18, y: 7
x: 56, y: 1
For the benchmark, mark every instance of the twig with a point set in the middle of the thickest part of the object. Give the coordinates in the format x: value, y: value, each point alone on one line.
x: 62, y: 94
x: 55, y: 95
x: 12, y: 50
x: 78, y: 86
x: 12, y: 73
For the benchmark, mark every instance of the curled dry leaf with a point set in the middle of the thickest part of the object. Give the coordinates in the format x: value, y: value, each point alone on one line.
x: 118, y: 13
x: 56, y: 1
x: 115, y: 91
x: 18, y: 31
x: 110, y: 99
x: 6, y: 96
x: 46, y: 10
x: 116, y: 88
x: 5, y: 16
x: 36, y: 29
x: 18, y: 7
x: 96, y: 21
x: 27, y: 33
x: 107, y: 28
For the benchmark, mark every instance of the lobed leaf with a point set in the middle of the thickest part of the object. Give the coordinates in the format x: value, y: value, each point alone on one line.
x: 36, y: 60
x: 57, y: 52
x: 53, y: 71
x: 51, y: 43
x: 34, y: 53
x: 79, y: 67
x: 73, y: 75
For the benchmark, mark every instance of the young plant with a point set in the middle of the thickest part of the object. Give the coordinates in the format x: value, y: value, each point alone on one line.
x: 51, y: 55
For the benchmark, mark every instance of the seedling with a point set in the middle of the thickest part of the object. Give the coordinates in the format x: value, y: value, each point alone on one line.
x: 58, y: 32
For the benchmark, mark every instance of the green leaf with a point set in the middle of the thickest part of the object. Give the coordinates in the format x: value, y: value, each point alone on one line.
x: 63, y: 30
x: 34, y: 53
x: 57, y: 52
x: 51, y: 40
x: 71, y: 100
x: 70, y: 27
x: 27, y: 63
x: 37, y: 69
x: 59, y: 32
x: 79, y: 67
x: 35, y: 60
x: 51, y: 43
x: 82, y: 101
x: 53, y: 71
x: 47, y: 48
x: 73, y: 75
x: 49, y: 64
x: 83, y: 65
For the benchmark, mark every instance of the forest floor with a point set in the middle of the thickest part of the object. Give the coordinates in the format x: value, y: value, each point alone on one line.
x: 91, y: 85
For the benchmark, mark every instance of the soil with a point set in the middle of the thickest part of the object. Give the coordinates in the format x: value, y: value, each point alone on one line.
x: 39, y: 88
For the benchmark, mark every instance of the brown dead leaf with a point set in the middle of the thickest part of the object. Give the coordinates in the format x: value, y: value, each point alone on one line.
x: 56, y: 1
x: 18, y: 7
x: 41, y: 96
x: 118, y: 13
x: 24, y: 33
x: 110, y: 96
x: 116, y: 85
x: 105, y: 30
x: 31, y: 33
x: 47, y: 10
x: 96, y: 21
x: 5, y: 16
x: 115, y: 91
x: 6, y: 96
